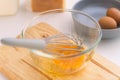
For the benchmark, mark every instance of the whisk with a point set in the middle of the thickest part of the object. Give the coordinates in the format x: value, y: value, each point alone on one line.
x: 39, y: 44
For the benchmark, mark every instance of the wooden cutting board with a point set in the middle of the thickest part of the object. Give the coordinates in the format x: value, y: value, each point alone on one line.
x: 16, y: 63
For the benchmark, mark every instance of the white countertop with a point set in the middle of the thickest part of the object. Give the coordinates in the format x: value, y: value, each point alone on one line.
x: 10, y: 26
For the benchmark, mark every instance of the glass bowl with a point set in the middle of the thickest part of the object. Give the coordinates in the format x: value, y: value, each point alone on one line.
x: 68, y: 22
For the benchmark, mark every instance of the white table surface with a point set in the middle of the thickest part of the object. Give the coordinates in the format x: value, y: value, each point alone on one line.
x: 10, y: 26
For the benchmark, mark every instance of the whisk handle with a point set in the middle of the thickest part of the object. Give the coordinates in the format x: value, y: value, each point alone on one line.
x: 26, y: 43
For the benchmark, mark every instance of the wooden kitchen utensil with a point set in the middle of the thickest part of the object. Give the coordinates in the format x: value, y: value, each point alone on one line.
x: 16, y: 63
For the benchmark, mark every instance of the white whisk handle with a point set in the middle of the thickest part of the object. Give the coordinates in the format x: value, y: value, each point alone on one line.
x: 27, y: 43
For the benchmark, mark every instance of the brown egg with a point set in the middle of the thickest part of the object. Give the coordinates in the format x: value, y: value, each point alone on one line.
x: 114, y: 13
x: 107, y: 23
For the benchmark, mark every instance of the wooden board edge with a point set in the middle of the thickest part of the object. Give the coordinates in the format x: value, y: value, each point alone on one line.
x: 106, y: 65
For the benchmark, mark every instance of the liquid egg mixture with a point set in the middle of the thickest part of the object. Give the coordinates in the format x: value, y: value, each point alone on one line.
x: 62, y: 65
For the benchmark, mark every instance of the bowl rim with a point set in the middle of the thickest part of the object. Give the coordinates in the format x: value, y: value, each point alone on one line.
x: 66, y: 10
x: 111, y: 29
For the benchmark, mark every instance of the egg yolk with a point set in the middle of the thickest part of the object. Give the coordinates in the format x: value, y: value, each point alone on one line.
x: 69, y: 63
